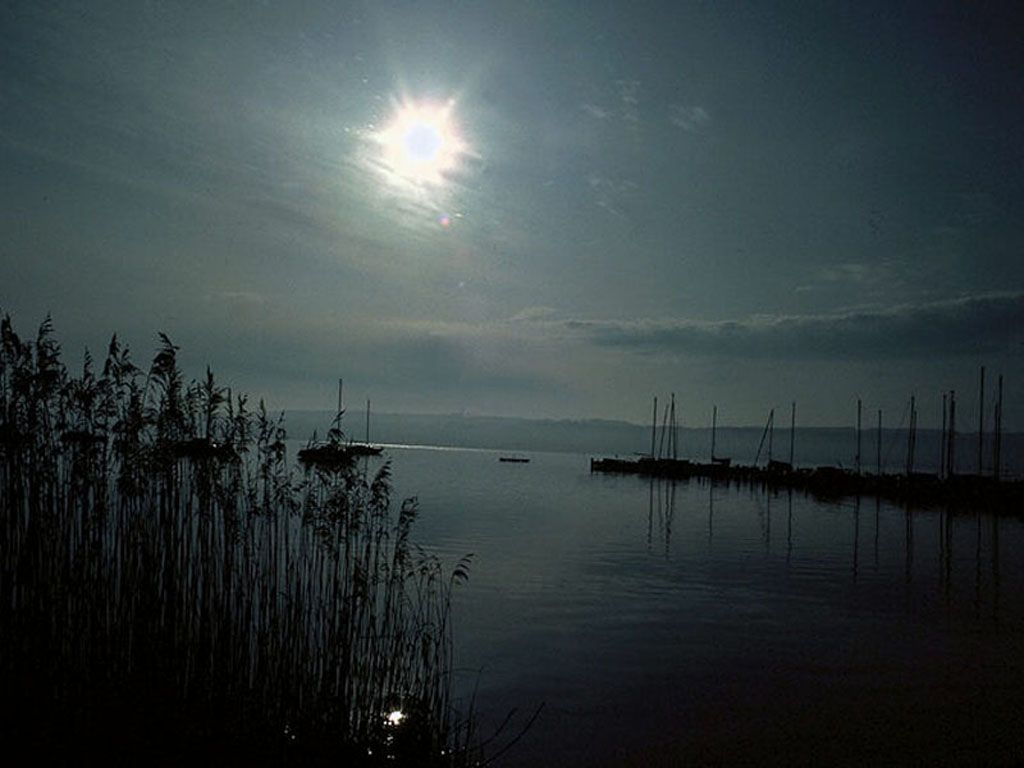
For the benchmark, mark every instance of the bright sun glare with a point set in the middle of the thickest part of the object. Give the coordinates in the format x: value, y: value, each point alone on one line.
x: 422, y: 143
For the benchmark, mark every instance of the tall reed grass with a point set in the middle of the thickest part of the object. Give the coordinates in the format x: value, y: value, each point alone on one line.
x: 173, y: 589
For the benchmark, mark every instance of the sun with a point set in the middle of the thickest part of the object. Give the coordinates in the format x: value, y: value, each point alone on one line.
x: 421, y: 145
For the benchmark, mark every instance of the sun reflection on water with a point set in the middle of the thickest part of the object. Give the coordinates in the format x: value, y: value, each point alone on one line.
x: 395, y: 717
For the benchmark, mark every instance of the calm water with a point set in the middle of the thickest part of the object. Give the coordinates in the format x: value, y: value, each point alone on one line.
x: 658, y: 623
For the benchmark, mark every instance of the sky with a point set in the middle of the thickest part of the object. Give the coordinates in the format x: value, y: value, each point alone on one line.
x: 746, y: 204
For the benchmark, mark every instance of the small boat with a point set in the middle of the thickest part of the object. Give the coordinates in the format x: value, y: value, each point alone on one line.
x: 331, y: 456
x: 364, y: 449
x: 514, y: 459
x: 335, y: 453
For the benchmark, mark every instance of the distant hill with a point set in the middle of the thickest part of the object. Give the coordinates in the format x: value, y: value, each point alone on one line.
x: 498, y: 432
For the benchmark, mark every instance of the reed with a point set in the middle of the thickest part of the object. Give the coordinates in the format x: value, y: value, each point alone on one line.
x: 173, y: 589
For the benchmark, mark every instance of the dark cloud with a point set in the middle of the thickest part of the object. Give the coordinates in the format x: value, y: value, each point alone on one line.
x: 965, y: 326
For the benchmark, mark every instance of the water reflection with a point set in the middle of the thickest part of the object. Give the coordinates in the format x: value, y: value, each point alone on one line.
x: 856, y: 535
x: 789, y: 527
x: 947, y: 581
x: 946, y: 553
x: 908, y: 545
x: 995, y: 567
x: 977, y: 566
x: 661, y: 506
x: 711, y: 513
x: 878, y: 515
x: 637, y: 630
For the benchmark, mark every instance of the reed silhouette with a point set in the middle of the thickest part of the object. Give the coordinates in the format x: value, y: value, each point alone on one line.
x: 173, y: 589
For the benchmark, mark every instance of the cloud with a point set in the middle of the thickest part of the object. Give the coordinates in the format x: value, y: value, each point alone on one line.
x: 609, y: 193
x: 690, y: 119
x: 596, y: 112
x: 629, y: 96
x: 532, y: 314
x: 985, y: 323
x: 848, y: 272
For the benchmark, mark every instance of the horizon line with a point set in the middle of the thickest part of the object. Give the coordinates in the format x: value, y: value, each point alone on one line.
x: 622, y: 422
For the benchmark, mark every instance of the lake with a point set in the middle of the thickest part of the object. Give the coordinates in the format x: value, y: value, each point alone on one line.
x: 663, y: 624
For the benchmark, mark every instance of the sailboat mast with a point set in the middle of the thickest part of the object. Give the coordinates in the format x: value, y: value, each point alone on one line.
x: 340, y: 382
x: 911, y: 436
x: 792, y: 432
x: 858, y: 434
x: 998, y: 438
x: 664, y: 430
x: 714, y: 425
x: 878, y: 446
x: 951, y: 448
x: 913, y: 430
x: 942, y: 440
x: 367, y: 421
x: 764, y: 434
x: 981, y: 417
x: 654, y: 424
x: 672, y: 435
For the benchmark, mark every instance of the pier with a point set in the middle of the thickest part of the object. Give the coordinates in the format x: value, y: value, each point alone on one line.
x: 947, y: 487
x: 919, y: 489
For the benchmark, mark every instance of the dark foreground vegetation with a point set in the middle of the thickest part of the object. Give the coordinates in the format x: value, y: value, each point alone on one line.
x: 173, y: 592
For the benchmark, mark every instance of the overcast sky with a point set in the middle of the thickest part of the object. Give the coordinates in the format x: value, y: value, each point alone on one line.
x: 743, y: 203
